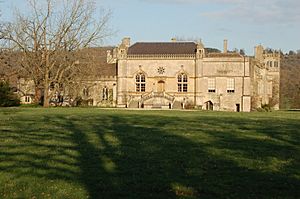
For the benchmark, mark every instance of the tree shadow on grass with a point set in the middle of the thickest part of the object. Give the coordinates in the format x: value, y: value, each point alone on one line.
x: 138, y: 156
x: 149, y: 162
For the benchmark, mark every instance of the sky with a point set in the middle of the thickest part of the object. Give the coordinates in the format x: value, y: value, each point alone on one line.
x: 244, y: 23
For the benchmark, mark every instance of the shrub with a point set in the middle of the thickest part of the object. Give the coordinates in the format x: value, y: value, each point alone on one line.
x: 189, y: 105
x: 199, y: 107
x: 265, y: 108
x: 7, y: 97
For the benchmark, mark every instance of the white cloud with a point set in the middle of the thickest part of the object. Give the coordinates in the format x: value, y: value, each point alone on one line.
x: 255, y: 11
x: 261, y: 12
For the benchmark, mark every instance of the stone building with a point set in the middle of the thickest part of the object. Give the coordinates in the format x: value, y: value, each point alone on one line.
x: 96, y: 87
x: 265, y: 76
x: 174, y: 75
x: 186, y: 74
x: 99, y: 86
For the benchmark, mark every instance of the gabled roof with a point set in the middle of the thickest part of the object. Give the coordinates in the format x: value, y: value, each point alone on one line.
x: 97, y: 60
x: 142, y: 48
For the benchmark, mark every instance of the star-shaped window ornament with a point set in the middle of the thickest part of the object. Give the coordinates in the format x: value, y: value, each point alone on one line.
x: 161, y: 70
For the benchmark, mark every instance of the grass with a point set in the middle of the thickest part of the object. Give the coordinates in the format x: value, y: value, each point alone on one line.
x: 95, y: 153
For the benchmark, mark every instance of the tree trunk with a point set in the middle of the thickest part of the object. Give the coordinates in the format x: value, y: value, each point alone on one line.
x: 46, y: 90
x: 46, y: 97
x: 46, y: 77
x: 38, y: 95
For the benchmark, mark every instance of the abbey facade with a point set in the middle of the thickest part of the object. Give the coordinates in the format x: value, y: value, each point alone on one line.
x: 177, y: 75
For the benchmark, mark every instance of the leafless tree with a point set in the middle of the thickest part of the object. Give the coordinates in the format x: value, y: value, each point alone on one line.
x: 50, y: 38
x: 8, y: 66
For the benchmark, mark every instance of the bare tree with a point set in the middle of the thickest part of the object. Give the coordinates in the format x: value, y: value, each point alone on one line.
x: 192, y: 39
x: 50, y: 39
x: 8, y: 66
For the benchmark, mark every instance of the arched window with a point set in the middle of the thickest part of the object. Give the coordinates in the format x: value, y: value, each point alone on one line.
x: 271, y: 64
x: 182, y: 81
x: 140, y: 82
x: 85, y: 91
x: 105, y: 93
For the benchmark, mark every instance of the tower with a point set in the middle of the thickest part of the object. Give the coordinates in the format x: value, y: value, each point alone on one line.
x: 123, y: 48
x: 225, y: 46
x: 258, y: 53
x: 200, y: 50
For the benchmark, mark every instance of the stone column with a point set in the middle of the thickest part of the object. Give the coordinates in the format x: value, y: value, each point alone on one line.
x: 114, y: 94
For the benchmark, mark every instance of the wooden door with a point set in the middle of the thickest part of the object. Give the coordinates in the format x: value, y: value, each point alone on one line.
x: 161, y: 86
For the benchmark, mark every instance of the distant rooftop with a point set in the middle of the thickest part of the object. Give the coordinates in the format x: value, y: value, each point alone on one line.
x: 153, y: 48
x: 224, y: 55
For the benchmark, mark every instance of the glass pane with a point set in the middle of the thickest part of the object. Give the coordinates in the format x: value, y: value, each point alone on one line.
x: 142, y: 78
x: 179, y: 87
x: 211, y: 84
x: 185, y: 87
x: 179, y: 78
x: 184, y: 78
x: 230, y: 84
x: 143, y: 87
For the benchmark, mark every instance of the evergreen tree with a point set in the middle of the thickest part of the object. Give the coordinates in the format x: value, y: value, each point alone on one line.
x: 7, y: 97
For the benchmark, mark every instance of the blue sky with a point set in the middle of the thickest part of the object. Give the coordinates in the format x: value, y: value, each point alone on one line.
x: 245, y: 23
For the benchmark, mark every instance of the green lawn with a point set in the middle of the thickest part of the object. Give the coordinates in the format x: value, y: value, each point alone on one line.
x: 95, y: 153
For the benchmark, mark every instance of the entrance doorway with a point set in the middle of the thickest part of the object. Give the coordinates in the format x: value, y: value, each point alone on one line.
x: 160, y: 86
x: 209, y: 106
x: 238, y: 107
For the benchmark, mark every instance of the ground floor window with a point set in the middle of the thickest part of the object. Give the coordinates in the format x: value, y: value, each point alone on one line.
x: 27, y: 99
x: 105, y: 93
x: 85, y: 91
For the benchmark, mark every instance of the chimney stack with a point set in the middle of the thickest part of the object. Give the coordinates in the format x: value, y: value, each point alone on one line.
x: 126, y: 41
x: 258, y: 52
x: 225, y: 45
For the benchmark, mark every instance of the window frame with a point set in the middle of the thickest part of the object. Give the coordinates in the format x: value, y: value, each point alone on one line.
x: 140, y: 82
x: 211, y: 85
x: 182, y: 83
x: 27, y: 99
x: 230, y: 85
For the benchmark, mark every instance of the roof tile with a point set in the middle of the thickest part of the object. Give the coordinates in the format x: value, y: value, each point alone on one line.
x: 162, y: 48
